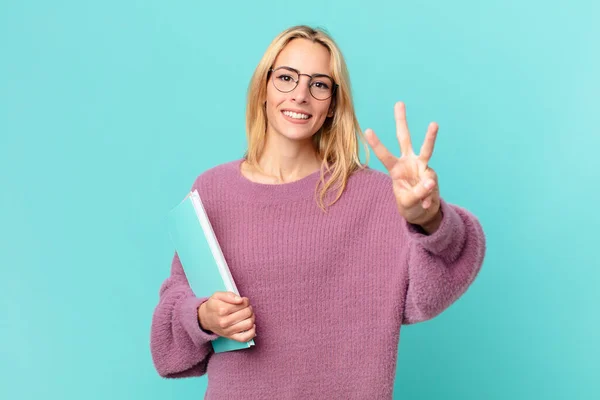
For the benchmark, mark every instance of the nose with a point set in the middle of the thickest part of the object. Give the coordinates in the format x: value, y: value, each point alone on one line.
x: 302, y: 91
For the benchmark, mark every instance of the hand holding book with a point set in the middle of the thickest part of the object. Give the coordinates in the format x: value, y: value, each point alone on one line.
x: 228, y: 315
x: 206, y: 271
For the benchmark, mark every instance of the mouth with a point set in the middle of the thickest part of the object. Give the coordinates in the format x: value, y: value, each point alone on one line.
x: 296, y: 115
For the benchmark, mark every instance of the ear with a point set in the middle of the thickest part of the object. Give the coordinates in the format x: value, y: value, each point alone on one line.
x: 331, y: 109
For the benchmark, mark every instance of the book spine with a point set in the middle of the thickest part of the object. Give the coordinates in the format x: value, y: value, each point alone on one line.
x: 213, y: 243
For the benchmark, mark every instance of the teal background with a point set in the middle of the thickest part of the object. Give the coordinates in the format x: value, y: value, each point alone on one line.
x: 109, y: 110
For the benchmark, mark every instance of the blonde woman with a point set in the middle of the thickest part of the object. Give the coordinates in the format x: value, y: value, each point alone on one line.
x: 332, y: 257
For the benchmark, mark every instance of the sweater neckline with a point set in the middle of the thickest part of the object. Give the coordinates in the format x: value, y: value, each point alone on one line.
x: 303, y: 188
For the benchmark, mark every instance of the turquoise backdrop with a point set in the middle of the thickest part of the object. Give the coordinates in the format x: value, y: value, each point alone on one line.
x: 109, y: 110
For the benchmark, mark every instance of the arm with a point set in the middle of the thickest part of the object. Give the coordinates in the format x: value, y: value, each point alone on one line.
x: 179, y: 346
x: 441, y: 266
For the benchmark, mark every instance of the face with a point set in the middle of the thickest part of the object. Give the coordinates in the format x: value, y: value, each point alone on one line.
x: 297, y: 115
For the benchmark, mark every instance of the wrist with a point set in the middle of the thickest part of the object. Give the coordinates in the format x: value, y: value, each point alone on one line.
x: 434, y: 223
x: 201, y: 313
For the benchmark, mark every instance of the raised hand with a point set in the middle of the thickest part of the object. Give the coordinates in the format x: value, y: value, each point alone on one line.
x: 415, y: 185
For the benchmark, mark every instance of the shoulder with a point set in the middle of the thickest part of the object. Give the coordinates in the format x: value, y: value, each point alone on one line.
x: 369, y: 198
x: 371, y: 189
x: 372, y: 175
x: 212, y: 181
x: 369, y: 179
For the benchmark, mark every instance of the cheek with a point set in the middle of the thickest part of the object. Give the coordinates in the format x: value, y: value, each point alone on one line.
x: 323, y: 110
x: 271, y: 113
x: 273, y: 101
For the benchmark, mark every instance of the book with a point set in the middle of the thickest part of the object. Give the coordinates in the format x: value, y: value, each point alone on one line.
x: 201, y: 256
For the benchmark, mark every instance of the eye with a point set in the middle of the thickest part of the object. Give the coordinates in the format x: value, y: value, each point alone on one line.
x: 285, y: 78
x: 321, y: 85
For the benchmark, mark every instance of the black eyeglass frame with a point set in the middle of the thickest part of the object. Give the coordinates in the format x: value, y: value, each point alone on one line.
x: 333, y: 90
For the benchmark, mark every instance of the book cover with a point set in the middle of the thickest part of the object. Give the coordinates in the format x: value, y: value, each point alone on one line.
x: 201, y: 257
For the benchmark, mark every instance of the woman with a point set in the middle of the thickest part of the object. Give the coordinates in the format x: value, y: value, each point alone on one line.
x: 331, y: 256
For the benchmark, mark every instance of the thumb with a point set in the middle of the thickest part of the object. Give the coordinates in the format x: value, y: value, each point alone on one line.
x: 423, y: 188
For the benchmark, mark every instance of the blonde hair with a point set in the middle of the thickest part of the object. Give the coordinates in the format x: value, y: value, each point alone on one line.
x: 336, y: 142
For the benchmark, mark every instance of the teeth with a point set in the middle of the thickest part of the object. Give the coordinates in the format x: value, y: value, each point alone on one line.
x: 295, y: 115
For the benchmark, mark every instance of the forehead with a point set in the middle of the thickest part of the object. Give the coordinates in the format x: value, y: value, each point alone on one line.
x: 306, y: 56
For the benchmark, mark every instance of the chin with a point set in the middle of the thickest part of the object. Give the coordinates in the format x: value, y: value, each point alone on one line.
x: 293, y: 133
x: 298, y: 136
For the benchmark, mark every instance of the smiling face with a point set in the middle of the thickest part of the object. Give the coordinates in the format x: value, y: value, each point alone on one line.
x: 297, y: 115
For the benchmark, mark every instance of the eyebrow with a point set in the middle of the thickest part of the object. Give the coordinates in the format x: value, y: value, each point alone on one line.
x: 298, y: 72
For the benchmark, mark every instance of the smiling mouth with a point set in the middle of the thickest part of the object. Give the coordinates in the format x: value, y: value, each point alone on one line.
x: 296, y: 115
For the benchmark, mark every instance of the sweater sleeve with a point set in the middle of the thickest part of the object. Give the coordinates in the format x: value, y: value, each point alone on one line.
x: 441, y: 266
x: 179, y: 346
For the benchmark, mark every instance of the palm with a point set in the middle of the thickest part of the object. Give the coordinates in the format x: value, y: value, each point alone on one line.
x: 414, y: 183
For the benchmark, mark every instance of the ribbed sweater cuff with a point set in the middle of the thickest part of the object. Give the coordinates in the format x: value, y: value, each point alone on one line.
x: 188, y: 315
x: 450, y: 232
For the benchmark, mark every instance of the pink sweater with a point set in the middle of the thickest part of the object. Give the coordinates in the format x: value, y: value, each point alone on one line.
x: 329, y: 291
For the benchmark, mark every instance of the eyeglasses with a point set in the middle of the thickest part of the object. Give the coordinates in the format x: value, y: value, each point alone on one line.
x: 285, y: 79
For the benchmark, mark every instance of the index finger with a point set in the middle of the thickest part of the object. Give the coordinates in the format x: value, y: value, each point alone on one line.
x: 387, y: 159
x: 228, y: 297
x: 402, y: 128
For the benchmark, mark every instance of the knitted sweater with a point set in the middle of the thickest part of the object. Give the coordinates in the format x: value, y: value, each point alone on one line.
x: 330, y: 291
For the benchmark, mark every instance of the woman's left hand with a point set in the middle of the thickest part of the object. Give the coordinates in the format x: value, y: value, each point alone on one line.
x: 415, y: 185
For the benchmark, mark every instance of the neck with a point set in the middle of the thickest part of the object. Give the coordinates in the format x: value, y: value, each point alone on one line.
x: 288, y: 160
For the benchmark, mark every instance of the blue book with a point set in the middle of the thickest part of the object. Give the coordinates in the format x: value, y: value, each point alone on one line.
x: 201, y: 257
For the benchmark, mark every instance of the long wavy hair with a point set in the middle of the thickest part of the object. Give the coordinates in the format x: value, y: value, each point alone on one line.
x: 336, y: 142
